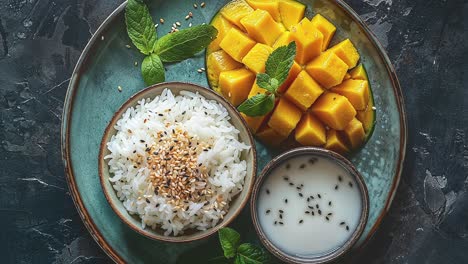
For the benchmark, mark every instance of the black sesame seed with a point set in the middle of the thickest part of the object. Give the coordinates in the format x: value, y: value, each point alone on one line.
x: 329, y: 214
x: 134, y: 151
x: 183, y: 113
x: 147, y: 150
x: 313, y: 213
x: 310, y: 207
x: 317, y: 206
x: 340, y: 178
x: 281, y: 223
x: 301, y: 221
x: 291, y: 183
x: 285, y: 200
x: 308, y: 199
x: 320, y: 197
x: 160, y: 114
x: 268, y: 211
x: 281, y: 216
x: 312, y: 197
x: 155, y: 153
x: 280, y: 211
x: 267, y: 191
x: 286, y: 178
x: 319, y: 212
x: 326, y: 217
x: 350, y: 184
x: 288, y: 166
x: 157, y: 205
x: 302, y: 166
x: 276, y: 222
x: 134, y: 167
x: 347, y: 228
x: 329, y: 203
x: 301, y: 195
x: 342, y: 223
x: 298, y: 187
x: 336, y: 187
x: 307, y: 212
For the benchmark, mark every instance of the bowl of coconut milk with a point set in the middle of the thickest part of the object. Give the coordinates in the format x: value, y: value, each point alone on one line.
x: 309, y: 205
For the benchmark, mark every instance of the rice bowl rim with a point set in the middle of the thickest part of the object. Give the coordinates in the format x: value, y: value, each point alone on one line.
x: 249, y: 179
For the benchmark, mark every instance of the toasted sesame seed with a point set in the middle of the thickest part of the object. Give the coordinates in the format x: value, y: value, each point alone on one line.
x: 161, y: 20
x: 202, y: 4
x: 127, y: 46
x: 187, y: 17
x: 195, y: 5
x: 178, y: 24
x: 119, y: 88
x: 135, y: 63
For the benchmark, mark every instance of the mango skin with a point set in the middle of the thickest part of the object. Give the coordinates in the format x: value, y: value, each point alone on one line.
x: 303, y: 91
x: 291, y: 12
x: 237, y: 44
x: 326, y: 27
x: 310, y: 131
x: 256, y: 58
x: 271, y: 6
x: 357, y: 92
x: 336, y: 143
x: 270, y: 137
x: 235, y: 85
x: 218, y: 62
x: 262, y: 27
x: 334, y: 110
x: 235, y: 10
x: 284, y: 117
x: 346, y: 51
x: 327, y: 69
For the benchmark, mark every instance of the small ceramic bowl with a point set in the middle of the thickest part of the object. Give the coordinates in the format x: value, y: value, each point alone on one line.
x: 236, y: 204
x: 323, y: 258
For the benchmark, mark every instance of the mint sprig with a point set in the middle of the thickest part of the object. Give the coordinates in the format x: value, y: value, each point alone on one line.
x: 174, y: 47
x: 237, y: 253
x: 277, y: 69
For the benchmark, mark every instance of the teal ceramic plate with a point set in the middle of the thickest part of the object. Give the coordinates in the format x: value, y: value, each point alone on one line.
x: 92, y: 99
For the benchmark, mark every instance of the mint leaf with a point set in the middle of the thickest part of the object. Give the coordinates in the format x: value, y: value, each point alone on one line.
x: 184, y: 44
x: 263, y: 81
x: 140, y: 26
x: 280, y: 61
x: 152, y: 70
x: 251, y: 254
x: 230, y: 240
x: 258, y: 105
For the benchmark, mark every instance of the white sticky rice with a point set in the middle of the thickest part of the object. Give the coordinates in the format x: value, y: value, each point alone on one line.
x: 202, y: 118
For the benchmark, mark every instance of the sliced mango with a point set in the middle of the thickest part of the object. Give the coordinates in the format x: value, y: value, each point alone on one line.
x: 283, y: 40
x: 256, y: 90
x: 303, y: 91
x: 253, y: 123
x: 324, y: 26
x: 223, y: 26
x: 327, y: 69
x: 346, y: 51
x: 271, y: 6
x: 334, y: 110
x: 354, y: 133
x: 237, y: 44
x: 235, y: 85
x: 308, y: 40
x: 269, y: 136
x: 256, y: 58
x: 262, y: 27
x: 285, y: 117
x: 235, y: 10
x: 218, y: 62
x: 291, y: 12
x: 357, y: 92
x: 295, y: 70
x: 310, y: 131
x: 335, y: 142
x: 359, y: 73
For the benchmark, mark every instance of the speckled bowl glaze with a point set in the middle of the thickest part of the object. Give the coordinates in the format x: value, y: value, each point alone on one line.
x: 340, y: 160
x: 236, y: 205
x: 92, y: 99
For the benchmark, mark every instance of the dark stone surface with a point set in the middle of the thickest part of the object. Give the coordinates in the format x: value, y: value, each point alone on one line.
x: 41, y: 40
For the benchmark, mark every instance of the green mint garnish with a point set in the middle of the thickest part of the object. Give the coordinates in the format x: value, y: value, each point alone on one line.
x: 251, y: 254
x: 230, y: 240
x: 185, y: 43
x: 277, y: 69
x: 174, y: 47
x: 245, y: 253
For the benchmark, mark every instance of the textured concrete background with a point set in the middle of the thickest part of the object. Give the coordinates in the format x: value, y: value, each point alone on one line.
x: 41, y: 40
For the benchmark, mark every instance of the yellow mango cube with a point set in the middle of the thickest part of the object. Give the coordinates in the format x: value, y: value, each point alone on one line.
x: 285, y: 117
x: 270, y: 137
x: 253, y: 123
x: 235, y: 10
x: 359, y: 73
x: 262, y: 27
x: 324, y: 26
x: 235, y: 85
x: 295, y: 70
x: 310, y: 131
x: 218, y: 62
x: 256, y: 58
x: 327, y: 69
x: 237, y: 44
x: 334, y: 110
x: 271, y: 6
x: 308, y: 41
x: 357, y: 92
x: 283, y: 40
x: 223, y: 26
x: 291, y: 12
x: 303, y: 91
x: 256, y: 90
x: 346, y: 51
x: 354, y: 133
x: 335, y: 142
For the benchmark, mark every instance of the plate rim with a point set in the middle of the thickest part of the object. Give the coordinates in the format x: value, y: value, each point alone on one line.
x: 71, y: 92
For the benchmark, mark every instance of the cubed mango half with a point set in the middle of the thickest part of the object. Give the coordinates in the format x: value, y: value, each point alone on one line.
x: 325, y: 27
x: 293, y: 72
x: 327, y: 69
x: 235, y: 10
x: 357, y: 92
x: 303, y: 91
x: 308, y: 41
x: 223, y: 26
x: 218, y: 62
x: 270, y: 137
x: 310, y: 131
x: 354, y: 133
x: 285, y: 117
x: 335, y: 142
x: 237, y: 44
x: 262, y: 27
x: 334, y: 110
x: 346, y: 51
x: 256, y: 58
x: 235, y: 85
x: 291, y: 12
x: 271, y: 6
